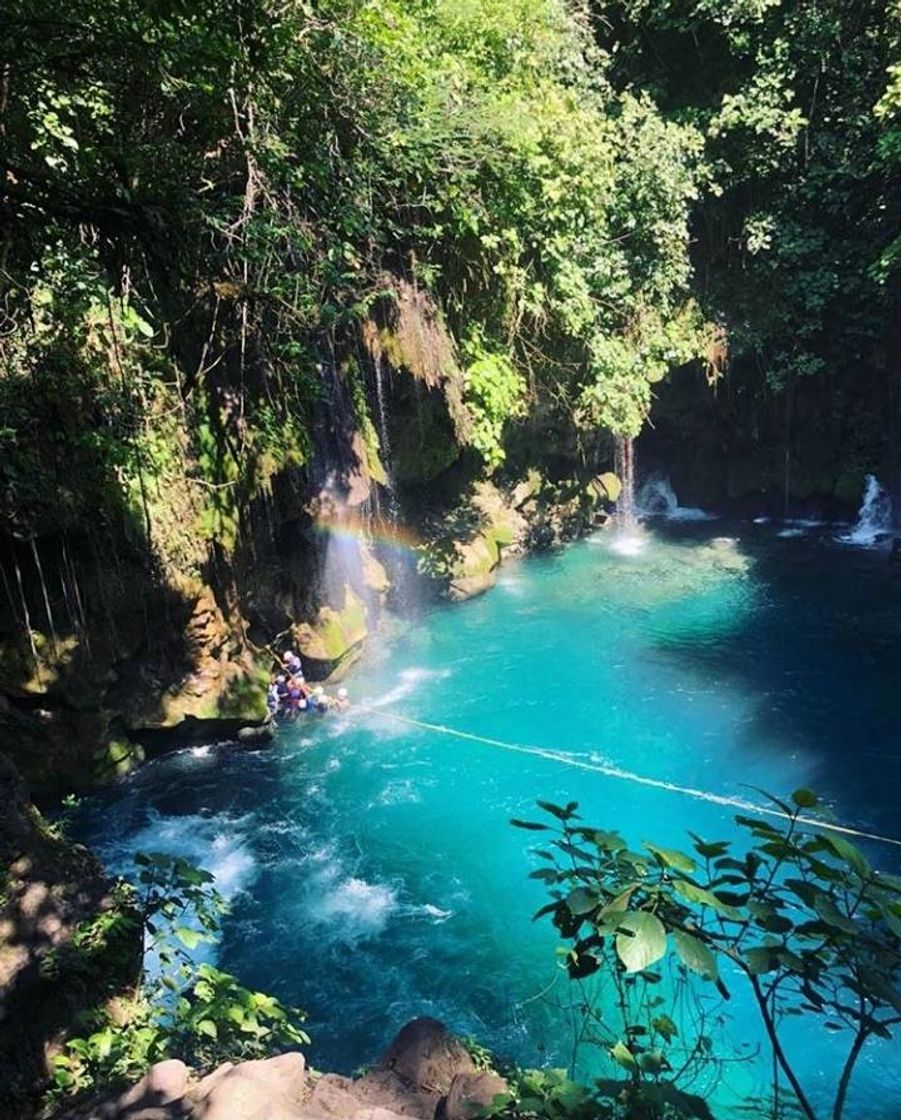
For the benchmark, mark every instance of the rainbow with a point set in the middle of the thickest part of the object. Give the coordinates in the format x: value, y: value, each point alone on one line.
x: 349, y: 526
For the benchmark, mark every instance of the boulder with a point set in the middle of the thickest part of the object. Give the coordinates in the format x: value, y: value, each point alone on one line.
x: 426, y: 1057
x: 333, y: 1096
x: 268, y: 1089
x: 382, y: 1089
x: 155, y: 1097
x: 474, y: 568
x: 470, y: 1093
x: 333, y: 636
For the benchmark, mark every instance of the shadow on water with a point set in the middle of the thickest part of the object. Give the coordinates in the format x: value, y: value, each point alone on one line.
x: 822, y: 654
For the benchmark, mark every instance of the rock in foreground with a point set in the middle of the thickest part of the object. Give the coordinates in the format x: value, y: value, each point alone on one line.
x: 424, y: 1073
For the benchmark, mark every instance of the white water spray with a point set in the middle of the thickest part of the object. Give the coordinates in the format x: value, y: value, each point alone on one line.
x: 625, y: 469
x: 657, y: 498
x: 384, y: 440
x: 874, y: 519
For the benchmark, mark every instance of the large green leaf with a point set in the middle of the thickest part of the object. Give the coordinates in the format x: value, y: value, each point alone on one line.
x: 581, y: 901
x: 190, y: 938
x: 845, y: 850
x: 691, y: 892
x: 641, y: 940
x: 761, y: 959
x: 830, y: 914
x: 671, y: 858
x: 621, y: 1054
x: 695, y: 955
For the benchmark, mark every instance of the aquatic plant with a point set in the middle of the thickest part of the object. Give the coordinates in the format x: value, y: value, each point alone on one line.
x: 801, y: 915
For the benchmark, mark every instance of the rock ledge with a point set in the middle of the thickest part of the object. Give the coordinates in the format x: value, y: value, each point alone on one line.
x: 425, y: 1073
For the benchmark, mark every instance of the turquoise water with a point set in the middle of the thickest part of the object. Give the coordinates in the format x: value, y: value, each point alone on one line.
x: 371, y: 868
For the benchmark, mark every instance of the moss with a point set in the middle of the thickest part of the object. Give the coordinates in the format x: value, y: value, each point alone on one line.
x: 245, y: 697
x: 501, y: 534
x: 115, y: 759
x: 334, y: 633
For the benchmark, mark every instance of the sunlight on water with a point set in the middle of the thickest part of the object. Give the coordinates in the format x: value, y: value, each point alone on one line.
x: 372, y: 872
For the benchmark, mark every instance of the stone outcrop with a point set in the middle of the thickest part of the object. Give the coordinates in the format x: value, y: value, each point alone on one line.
x: 531, y: 515
x: 334, y: 636
x: 425, y: 1073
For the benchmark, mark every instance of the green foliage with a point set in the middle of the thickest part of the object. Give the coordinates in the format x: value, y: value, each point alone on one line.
x: 181, y: 1009
x: 800, y: 915
x: 494, y: 393
x: 796, y: 231
x: 201, y: 214
x: 551, y: 1094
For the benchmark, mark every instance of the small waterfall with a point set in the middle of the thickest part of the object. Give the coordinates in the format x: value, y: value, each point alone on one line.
x: 384, y: 443
x: 874, y: 519
x: 382, y: 417
x: 625, y: 469
x: 657, y: 498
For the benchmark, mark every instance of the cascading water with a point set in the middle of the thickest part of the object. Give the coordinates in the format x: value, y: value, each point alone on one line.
x: 384, y: 440
x: 874, y: 519
x: 625, y: 469
x: 657, y: 498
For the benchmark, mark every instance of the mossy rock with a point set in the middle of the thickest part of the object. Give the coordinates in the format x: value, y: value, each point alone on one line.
x: 115, y: 759
x: 530, y: 487
x: 605, y: 487
x: 502, y: 534
x: 333, y: 635
x: 473, y: 571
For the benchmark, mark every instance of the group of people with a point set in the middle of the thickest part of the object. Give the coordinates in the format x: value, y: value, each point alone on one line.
x: 290, y: 695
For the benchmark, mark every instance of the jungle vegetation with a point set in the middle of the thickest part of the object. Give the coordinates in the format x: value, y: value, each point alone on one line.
x: 202, y: 203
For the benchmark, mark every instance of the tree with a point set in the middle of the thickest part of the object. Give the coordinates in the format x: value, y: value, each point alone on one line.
x: 812, y: 928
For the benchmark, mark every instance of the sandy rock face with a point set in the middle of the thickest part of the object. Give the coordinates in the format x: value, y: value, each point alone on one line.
x: 425, y: 1073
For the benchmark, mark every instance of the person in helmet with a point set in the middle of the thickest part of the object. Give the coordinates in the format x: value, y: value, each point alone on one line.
x: 292, y: 665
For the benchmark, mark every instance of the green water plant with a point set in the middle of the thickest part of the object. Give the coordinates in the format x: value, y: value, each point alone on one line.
x: 180, y: 1008
x: 798, y: 915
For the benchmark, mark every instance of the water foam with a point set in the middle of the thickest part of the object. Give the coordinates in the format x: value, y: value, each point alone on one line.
x: 874, y: 519
x: 409, y: 681
x: 627, y: 544
x: 657, y: 498
x: 355, y: 909
x: 216, y: 844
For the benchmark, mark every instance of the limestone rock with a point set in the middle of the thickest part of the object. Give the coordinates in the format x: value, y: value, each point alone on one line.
x: 425, y: 1073
x: 383, y: 1089
x: 526, y: 490
x: 163, y: 1085
x: 470, y: 1093
x: 333, y: 636
x: 474, y: 569
x: 268, y: 1089
x: 333, y: 1097
x: 426, y: 1057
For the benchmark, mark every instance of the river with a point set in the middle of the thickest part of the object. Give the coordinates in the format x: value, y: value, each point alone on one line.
x: 370, y: 865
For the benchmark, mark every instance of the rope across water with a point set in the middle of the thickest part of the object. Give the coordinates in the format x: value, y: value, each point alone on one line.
x: 628, y: 776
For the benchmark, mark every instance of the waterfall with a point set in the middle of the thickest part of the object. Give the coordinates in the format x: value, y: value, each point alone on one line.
x: 874, y: 518
x: 625, y: 469
x: 657, y: 498
x: 384, y: 441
